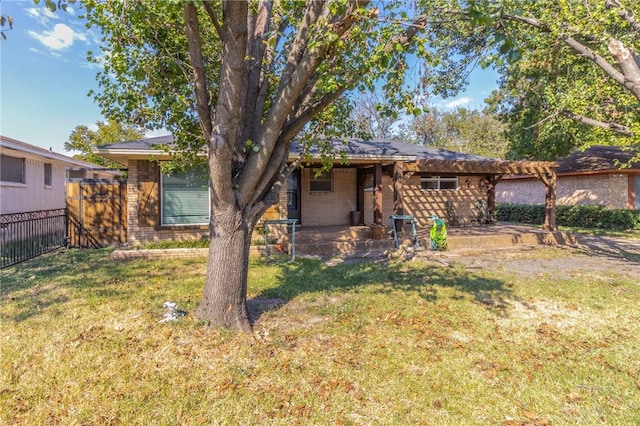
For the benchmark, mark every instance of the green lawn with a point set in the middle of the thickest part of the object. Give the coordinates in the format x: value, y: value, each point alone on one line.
x: 363, y: 343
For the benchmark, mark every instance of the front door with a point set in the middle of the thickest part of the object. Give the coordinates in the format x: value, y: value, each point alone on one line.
x: 293, y: 195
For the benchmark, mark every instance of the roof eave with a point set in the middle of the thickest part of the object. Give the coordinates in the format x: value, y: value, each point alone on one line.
x: 122, y: 156
x: 359, y: 159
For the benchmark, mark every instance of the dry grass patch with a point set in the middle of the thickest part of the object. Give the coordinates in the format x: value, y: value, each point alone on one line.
x: 361, y: 343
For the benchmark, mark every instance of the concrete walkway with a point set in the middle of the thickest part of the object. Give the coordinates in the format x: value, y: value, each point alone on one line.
x: 357, y: 241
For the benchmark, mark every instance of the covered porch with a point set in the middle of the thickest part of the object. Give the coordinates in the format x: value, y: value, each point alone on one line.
x: 472, y: 202
x: 357, y: 240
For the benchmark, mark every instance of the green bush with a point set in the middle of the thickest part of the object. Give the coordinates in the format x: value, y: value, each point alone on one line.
x: 594, y: 217
x: 520, y: 213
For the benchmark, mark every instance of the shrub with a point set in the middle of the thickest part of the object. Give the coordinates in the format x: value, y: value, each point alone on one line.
x: 521, y: 213
x: 594, y: 217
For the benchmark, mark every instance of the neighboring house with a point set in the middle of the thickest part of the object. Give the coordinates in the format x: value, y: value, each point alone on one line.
x: 600, y: 176
x: 33, y: 178
x: 381, y: 178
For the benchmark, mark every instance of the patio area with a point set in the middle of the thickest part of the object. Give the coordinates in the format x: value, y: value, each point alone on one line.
x: 357, y: 240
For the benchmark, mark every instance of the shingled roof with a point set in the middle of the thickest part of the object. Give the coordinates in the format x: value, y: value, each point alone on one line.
x: 598, y: 158
x: 354, y: 149
x: 417, y: 158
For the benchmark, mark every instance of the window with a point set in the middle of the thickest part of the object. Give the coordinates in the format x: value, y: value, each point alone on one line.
x: 439, y: 183
x: 75, y: 174
x: 12, y: 169
x: 185, y: 198
x: 48, y: 179
x: 321, y: 181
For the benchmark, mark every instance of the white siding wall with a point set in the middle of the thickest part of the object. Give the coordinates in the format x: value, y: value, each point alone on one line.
x: 34, y: 195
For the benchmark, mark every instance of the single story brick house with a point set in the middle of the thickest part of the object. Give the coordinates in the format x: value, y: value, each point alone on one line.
x: 596, y: 176
x: 380, y: 178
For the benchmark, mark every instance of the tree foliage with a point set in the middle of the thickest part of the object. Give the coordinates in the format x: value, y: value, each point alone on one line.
x: 240, y: 80
x: 570, y: 72
x: 368, y: 116
x: 465, y: 130
x: 84, y: 140
x: 6, y: 24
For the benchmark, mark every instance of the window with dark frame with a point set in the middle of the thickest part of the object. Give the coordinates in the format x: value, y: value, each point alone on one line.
x: 12, y: 169
x: 321, y: 181
x: 439, y: 183
x: 75, y: 174
x: 185, y: 197
x: 48, y: 175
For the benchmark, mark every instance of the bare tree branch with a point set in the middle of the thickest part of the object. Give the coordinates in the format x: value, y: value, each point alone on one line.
x: 615, y: 127
x: 302, y: 117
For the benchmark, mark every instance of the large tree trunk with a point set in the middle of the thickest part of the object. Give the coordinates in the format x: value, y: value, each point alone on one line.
x: 224, y: 302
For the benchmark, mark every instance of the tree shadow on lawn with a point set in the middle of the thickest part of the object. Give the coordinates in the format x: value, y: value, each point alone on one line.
x: 627, y: 250
x: 51, y: 280
x: 308, y: 276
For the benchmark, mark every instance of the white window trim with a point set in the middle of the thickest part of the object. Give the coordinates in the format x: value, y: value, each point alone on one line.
x: 50, y: 184
x: 439, y: 180
x: 312, y: 178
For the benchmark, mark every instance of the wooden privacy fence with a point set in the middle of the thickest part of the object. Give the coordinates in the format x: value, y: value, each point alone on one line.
x: 97, y: 212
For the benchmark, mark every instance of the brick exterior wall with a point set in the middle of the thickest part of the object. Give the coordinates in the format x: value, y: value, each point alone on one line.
x: 136, y: 234
x: 520, y: 191
x: 608, y: 190
x: 421, y: 204
x: 328, y: 208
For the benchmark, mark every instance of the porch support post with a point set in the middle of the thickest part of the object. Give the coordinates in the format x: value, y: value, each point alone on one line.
x: 398, y: 191
x: 492, y: 181
x: 361, y: 176
x: 377, y: 194
x: 549, y: 180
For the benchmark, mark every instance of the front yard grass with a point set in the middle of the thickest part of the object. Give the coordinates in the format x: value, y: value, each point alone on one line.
x: 360, y: 343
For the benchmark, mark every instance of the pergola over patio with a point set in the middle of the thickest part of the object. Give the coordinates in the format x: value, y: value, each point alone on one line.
x: 490, y: 170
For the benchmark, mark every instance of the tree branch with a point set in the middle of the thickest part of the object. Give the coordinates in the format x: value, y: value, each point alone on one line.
x: 203, y: 107
x: 258, y: 26
x: 615, y: 127
x: 624, y: 14
x: 213, y: 18
x: 628, y: 64
x: 302, y: 63
x: 627, y: 81
x: 300, y: 119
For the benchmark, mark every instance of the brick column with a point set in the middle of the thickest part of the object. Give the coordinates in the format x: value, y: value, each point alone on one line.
x: 377, y: 194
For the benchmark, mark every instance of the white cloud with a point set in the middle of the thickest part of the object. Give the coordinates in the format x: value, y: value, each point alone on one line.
x: 61, y: 37
x: 41, y: 14
x: 465, y: 100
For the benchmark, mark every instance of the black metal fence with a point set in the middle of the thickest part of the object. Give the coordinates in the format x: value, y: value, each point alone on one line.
x: 27, y: 235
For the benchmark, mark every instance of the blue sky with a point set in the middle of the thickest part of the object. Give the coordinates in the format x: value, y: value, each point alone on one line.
x: 45, y: 76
